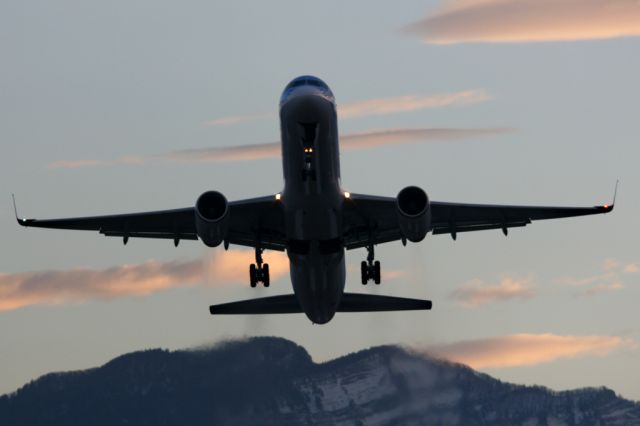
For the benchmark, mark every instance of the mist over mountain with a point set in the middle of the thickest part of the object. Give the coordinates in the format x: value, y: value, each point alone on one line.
x: 272, y: 381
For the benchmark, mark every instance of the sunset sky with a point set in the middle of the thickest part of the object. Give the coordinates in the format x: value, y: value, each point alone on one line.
x: 124, y: 106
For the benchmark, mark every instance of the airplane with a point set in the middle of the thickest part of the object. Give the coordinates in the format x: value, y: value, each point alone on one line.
x: 314, y: 220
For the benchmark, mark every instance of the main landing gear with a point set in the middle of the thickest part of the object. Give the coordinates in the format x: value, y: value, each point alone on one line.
x: 259, y: 272
x: 369, y: 269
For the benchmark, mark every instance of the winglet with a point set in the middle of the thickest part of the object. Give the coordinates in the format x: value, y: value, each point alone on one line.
x: 15, y: 210
x: 609, y: 207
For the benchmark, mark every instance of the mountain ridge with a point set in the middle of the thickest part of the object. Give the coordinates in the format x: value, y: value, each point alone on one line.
x: 270, y: 380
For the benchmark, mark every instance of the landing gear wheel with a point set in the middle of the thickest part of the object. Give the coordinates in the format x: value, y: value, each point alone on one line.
x: 376, y: 272
x: 364, y: 272
x: 253, y: 277
x: 265, y: 275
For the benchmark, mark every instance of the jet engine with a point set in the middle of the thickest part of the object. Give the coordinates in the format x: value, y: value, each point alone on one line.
x: 212, y: 218
x: 414, y: 215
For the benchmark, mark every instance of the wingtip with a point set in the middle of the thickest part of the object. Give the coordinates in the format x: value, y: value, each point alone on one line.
x: 15, y: 209
x: 21, y: 222
x: 609, y: 207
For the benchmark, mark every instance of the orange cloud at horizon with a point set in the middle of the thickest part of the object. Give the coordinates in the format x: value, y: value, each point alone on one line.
x: 508, y: 21
x: 476, y: 292
x: 54, y: 287
x: 518, y: 350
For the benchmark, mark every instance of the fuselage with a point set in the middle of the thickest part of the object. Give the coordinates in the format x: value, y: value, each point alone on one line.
x: 312, y: 196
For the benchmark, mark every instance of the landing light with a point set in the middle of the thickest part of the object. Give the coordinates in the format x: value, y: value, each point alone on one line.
x: 347, y: 194
x: 278, y: 196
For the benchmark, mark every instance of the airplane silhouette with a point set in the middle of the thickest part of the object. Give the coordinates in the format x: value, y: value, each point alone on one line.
x: 313, y: 219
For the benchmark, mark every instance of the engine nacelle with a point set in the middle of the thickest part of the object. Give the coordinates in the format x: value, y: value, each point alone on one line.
x: 212, y: 218
x: 414, y: 214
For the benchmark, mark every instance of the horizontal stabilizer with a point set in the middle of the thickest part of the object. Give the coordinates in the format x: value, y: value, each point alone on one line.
x: 351, y: 302
x: 360, y: 302
x: 284, y: 304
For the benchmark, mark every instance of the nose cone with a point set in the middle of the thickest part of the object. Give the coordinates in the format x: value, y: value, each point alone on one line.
x: 306, y: 86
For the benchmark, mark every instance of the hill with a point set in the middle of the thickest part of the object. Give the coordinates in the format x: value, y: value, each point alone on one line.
x: 272, y: 381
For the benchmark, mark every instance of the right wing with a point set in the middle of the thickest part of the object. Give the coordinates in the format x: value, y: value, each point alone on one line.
x: 252, y: 222
x: 374, y: 220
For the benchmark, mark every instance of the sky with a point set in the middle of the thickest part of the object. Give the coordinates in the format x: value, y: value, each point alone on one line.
x: 123, y: 106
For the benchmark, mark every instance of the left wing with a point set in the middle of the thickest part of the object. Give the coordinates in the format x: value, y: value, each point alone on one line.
x: 370, y: 219
x: 252, y: 222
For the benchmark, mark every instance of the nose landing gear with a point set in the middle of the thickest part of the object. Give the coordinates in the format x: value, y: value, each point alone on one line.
x: 259, y: 272
x: 370, y: 270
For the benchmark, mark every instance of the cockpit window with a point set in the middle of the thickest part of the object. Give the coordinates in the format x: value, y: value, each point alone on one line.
x: 313, y: 84
x: 318, y: 83
x: 296, y: 83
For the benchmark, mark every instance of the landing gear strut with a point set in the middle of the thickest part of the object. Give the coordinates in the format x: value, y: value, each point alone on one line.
x: 259, y: 272
x: 369, y: 269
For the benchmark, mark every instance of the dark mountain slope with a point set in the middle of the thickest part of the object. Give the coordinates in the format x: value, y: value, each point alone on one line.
x: 271, y: 381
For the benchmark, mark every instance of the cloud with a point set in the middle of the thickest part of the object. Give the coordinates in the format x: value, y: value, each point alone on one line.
x: 76, y: 164
x: 232, y: 266
x: 476, y: 292
x: 372, y: 139
x: 350, y: 142
x: 54, y: 287
x: 610, y: 279
x: 525, y: 349
x: 386, y: 106
x: 379, y: 106
x: 237, y: 119
x: 226, y: 153
x: 505, y: 21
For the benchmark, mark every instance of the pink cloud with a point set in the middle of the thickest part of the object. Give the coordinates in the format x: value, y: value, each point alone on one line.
x: 610, y: 279
x: 518, y: 350
x: 237, y: 119
x: 476, y: 292
x: 379, y: 106
x: 386, y: 106
x: 350, y: 142
x: 54, y: 287
x: 504, y: 21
